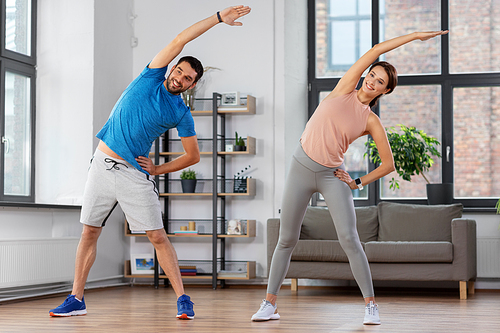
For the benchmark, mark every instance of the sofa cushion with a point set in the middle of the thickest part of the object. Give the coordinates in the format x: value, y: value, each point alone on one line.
x: 404, y: 222
x: 367, y: 223
x: 319, y: 250
x: 318, y: 224
x: 409, y: 252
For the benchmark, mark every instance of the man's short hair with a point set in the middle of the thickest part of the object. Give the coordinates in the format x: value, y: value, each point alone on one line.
x: 195, y: 64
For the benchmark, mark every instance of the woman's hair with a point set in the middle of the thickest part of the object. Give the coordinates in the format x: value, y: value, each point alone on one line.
x: 392, y: 82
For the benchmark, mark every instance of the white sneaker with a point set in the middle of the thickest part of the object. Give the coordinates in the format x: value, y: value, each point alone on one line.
x: 371, y: 314
x: 267, y: 311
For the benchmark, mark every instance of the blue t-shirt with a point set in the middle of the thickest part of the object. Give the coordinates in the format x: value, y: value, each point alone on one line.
x: 145, y: 111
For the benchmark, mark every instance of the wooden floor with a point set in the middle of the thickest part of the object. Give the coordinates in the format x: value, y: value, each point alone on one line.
x: 145, y: 309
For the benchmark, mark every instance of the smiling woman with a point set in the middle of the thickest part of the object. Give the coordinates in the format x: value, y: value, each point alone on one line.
x: 318, y: 166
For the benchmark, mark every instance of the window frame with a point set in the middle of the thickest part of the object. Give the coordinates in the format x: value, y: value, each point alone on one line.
x: 447, y: 82
x: 21, y: 64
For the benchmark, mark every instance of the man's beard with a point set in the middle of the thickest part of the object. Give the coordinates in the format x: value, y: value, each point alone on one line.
x: 172, y: 90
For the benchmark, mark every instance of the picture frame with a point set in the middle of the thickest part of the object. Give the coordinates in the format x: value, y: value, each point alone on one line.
x: 142, y: 264
x: 230, y: 99
x: 234, y: 227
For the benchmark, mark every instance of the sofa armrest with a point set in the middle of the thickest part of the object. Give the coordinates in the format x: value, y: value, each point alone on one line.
x: 273, y: 230
x: 463, y: 237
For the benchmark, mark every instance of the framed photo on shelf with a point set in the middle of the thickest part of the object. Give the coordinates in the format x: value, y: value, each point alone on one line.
x: 230, y: 99
x: 142, y: 264
x: 234, y: 227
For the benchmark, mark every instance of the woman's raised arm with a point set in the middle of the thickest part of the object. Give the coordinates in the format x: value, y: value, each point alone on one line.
x: 350, y: 79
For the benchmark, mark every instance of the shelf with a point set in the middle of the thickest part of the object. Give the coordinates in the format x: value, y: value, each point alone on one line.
x: 174, y: 153
x: 249, y: 274
x: 188, y: 235
x: 201, y: 113
x: 197, y: 277
x: 250, y: 150
x: 250, y: 231
x: 246, y: 109
x: 128, y: 274
x: 185, y: 194
x: 250, y: 190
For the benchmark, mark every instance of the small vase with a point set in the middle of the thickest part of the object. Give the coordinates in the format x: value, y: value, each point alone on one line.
x: 188, y: 185
x: 188, y: 97
x: 240, y: 148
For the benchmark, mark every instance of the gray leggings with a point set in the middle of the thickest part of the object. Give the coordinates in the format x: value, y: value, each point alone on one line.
x: 305, y: 178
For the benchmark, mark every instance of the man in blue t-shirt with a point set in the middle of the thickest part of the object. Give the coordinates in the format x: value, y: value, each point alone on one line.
x: 120, y: 170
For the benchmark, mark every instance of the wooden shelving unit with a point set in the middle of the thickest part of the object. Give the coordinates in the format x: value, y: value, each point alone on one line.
x: 217, y: 197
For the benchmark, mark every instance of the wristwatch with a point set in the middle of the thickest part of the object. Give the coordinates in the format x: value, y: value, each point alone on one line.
x: 358, y: 183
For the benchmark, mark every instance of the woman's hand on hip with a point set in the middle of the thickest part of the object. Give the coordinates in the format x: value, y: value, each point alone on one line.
x: 345, y: 177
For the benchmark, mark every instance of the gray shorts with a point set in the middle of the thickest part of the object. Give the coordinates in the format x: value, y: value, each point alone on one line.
x: 114, y: 181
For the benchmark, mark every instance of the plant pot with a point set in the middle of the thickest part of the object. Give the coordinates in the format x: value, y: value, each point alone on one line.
x: 440, y: 194
x: 188, y: 185
x: 240, y: 148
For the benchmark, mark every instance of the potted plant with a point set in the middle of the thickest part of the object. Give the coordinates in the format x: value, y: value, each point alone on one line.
x: 413, y: 151
x: 188, y: 181
x: 239, y: 144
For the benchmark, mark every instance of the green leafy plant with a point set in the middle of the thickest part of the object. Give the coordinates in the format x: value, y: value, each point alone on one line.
x: 188, y: 174
x: 239, y: 140
x: 412, y: 150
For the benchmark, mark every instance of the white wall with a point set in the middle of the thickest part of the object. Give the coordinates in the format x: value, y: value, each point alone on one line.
x: 64, y: 99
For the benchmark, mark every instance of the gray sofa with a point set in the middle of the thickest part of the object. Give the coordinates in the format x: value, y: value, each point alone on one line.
x: 402, y: 243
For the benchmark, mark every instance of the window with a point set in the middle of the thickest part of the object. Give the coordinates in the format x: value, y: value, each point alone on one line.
x: 341, y: 24
x: 17, y: 92
x: 449, y: 87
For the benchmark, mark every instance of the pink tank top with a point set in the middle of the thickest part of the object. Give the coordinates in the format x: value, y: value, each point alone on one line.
x: 335, y: 124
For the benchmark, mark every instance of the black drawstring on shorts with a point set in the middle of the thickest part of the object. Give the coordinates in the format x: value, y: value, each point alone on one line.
x: 115, y: 163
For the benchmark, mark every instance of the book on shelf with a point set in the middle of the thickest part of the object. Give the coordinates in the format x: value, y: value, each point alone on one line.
x: 186, y: 232
x: 186, y: 267
x: 188, y: 270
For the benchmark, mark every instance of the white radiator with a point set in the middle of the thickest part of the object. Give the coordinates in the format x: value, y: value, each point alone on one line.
x: 488, y: 257
x: 30, y: 262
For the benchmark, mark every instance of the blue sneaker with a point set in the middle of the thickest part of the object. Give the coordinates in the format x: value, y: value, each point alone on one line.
x: 185, y: 307
x: 70, y: 307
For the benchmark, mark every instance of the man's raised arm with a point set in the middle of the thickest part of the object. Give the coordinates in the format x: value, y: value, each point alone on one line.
x: 172, y: 50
